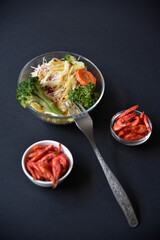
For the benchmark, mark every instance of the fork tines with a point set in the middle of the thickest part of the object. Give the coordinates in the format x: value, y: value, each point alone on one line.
x: 75, y: 109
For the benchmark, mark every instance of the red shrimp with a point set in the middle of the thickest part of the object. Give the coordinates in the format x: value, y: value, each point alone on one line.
x: 123, y: 132
x: 146, y: 122
x: 135, y: 122
x: 126, y: 120
x: 42, y: 152
x: 133, y: 136
x: 56, y: 170
x: 142, y: 117
x: 64, y: 161
x: 129, y: 110
x: 117, y: 127
x: 37, y: 146
x: 141, y: 128
x: 47, y: 157
x: 46, y: 172
x: 30, y: 170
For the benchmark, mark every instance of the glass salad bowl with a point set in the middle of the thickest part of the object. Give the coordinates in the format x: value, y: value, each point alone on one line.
x: 28, y: 69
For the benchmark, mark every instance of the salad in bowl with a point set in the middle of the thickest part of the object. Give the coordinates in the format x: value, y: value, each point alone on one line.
x: 50, y: 80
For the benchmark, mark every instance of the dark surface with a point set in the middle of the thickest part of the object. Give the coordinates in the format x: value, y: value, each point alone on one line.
x: 122, y: 38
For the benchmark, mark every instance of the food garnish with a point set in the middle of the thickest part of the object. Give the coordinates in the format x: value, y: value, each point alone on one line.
x: 130, y: 126
x: 83, y: 77
x: 47, y: 163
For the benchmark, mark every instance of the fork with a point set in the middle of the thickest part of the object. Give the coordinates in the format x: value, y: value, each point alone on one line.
x: 85, y: 124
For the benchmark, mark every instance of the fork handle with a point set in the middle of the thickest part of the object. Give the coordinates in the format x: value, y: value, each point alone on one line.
x: 117, y: 190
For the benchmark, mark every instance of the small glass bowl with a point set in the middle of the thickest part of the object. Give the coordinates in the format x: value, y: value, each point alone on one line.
x: 43, y: 143
x: 27, y: 69
x: 123, y: 141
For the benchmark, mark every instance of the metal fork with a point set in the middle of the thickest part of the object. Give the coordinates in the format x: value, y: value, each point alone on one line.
x: 85, y: 124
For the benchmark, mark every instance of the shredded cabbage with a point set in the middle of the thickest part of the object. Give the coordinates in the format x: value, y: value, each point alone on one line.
x: 57, y: 77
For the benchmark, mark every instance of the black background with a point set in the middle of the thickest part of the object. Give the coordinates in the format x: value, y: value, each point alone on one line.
x: 123, y: 39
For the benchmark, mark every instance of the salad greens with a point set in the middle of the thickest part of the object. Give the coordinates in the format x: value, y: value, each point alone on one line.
x: 85, y: 95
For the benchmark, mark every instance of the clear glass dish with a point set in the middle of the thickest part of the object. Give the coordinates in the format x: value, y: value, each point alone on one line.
x: 123, y: 141
x: 26, y: 71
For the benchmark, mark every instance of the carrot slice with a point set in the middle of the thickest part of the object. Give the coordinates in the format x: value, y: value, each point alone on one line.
x: 83, y: 77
